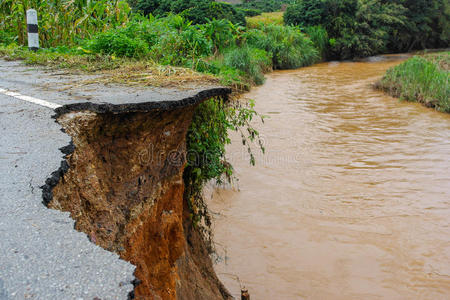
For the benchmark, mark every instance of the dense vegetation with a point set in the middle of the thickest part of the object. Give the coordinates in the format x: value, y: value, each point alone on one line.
x: 423, y: 79
x: 260, y: 6
x: 61, y: 22
x: 359, y: 28
x: 197, y: 11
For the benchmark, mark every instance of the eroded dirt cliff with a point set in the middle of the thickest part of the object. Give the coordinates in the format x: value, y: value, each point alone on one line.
x: 123, y: 185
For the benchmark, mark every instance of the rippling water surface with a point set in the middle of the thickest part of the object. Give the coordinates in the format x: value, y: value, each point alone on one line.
x: 351, y: 200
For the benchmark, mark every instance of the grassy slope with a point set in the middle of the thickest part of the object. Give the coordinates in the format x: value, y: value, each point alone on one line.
x: 423, y: 79
x: 266, y: 18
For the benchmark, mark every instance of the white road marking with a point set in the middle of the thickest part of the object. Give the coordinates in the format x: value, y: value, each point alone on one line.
x: 30, y: 99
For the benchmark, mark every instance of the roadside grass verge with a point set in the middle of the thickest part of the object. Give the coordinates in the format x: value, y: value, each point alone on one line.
x: 423, y: 79
x: 110, y: 69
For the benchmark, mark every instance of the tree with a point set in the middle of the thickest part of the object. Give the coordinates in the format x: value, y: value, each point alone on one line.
x: 305, y: 13
x: 197, y: 11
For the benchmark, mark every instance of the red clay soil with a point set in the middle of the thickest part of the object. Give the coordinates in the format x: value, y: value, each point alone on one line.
x: 124, y: 188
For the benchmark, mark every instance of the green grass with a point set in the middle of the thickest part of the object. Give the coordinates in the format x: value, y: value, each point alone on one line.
x: 252, y: 61
x: 265, y: 18
x: 423, y: 79
x: 290, y: 48
x: 237, y: 56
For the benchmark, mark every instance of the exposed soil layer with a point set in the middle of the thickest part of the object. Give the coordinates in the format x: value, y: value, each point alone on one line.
x: 123, y: 185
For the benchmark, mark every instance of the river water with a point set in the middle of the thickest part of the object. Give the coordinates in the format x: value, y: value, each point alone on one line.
x: 351, y: 200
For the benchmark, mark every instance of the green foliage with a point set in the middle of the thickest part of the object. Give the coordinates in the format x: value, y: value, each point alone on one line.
x: 264, y: 5
x: 60, y: 57
x: 361, y: 28
x: 251, y: 61
x: 118, y: 43
x: 250, y: 12
x: 305, y: 13
x: 7, y: 37
x: 209, y: 10
x: 206, y: 141
x: 240, y: 58
x: 319, y: 37
x: 62, y: 22
x: 222, y: 34
x: 421, y: 79
x: 427, y: 25
x: 197, y: 11
x: 289, y: 47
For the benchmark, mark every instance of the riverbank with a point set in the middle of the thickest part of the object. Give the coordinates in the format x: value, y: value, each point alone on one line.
x: 423, y: 79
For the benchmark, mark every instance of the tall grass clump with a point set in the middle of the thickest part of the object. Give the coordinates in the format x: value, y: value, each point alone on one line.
x: 289, y: 47
x: 251, y: 61
x: 421, y: 79
x: 319, y: 37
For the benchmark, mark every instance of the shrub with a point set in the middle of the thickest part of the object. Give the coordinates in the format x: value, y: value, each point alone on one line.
x: 253, y: 62
x: 197, y: 11
x: 118, y: 43
x: 209, y: 10
x: 289, y: 47
x: 180, y: 48
x: 265, y: 5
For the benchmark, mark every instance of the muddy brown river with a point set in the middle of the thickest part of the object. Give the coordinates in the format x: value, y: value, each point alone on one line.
x: 351, y: 200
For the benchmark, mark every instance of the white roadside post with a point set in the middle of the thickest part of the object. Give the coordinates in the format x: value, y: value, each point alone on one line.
x: 32, y: 28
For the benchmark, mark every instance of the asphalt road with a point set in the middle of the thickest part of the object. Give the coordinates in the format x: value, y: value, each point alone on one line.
x: 42, y: 256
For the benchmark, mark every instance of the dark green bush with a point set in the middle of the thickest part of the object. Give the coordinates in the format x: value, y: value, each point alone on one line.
x: 250, y: 12
x: 197, y: 11
x: 289, y: 47
x: 305, y: 13
x: 209, y: 10
x: 367, y: 27
x: 265, y: 5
